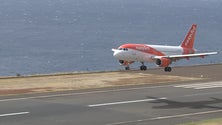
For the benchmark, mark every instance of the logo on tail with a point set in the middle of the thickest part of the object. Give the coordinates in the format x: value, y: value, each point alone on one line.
x: 190, y: 37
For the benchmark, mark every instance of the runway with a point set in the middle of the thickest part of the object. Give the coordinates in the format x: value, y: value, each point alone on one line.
x: 136, y: 105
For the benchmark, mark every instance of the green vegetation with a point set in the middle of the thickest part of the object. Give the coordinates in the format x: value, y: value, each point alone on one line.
x: 216, y: 121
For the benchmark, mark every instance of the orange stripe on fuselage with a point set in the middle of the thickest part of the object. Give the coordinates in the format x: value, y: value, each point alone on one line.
x: 143, y: 48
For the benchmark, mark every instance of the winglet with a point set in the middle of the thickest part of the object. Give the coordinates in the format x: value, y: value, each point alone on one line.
x: 188, y: 42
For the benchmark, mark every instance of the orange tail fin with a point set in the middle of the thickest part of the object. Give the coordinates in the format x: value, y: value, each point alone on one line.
x: 190, y: 37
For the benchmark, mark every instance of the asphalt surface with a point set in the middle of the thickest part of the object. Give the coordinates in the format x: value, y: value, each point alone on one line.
x: 166, y: 104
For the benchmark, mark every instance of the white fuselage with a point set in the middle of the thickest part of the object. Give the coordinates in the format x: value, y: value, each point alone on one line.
x: 168, y: 50
x: 141, y: 56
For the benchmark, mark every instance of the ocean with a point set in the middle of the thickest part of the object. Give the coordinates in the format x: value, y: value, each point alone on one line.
x: 51, y: 36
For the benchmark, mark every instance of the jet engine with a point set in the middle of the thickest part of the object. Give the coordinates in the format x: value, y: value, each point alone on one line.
x: 163, y: 62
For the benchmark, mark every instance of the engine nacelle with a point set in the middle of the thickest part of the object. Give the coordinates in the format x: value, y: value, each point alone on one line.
x: 163, y: 62
x: 125, y: 63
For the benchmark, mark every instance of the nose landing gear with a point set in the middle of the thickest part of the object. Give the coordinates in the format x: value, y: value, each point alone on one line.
x: 127, y: 68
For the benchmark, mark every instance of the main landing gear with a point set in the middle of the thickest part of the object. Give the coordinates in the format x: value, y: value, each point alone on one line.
x: 143, y: 67
x: 167, y: 69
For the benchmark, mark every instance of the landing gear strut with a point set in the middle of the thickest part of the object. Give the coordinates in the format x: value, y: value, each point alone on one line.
x: 143, y: 67
x: 127, y: 68
x: 167, y: 69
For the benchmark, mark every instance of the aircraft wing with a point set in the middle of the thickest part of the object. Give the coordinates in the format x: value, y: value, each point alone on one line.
x: 187, y: 56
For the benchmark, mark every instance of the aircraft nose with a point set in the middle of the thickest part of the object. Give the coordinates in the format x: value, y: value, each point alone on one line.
x: 116, y: 53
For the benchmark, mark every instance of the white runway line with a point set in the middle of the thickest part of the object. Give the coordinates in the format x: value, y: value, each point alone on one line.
x: 124, y: 102
x: 208, y: 85
x: 13, y: 114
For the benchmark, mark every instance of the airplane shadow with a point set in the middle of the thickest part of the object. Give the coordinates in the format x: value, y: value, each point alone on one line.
x: 193, y: 104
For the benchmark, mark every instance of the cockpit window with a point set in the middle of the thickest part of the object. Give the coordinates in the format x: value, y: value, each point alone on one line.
x: 125, y: 49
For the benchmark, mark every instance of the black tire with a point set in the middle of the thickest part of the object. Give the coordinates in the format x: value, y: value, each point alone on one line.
x: 127, y: 68
x: 167, y: 69
x: 143, y: 68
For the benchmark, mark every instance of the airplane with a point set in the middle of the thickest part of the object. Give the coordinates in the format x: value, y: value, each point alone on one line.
x: 162, y: 55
